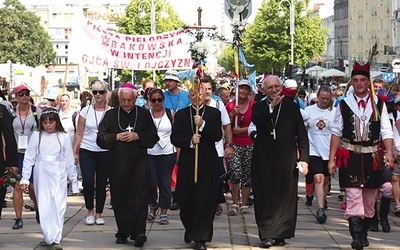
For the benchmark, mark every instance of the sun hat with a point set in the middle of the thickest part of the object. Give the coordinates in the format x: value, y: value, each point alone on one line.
x: 171, y: 75
x: 244, y: 82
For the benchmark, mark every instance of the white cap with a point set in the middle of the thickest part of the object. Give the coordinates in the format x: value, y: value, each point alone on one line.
x: 171, y: 75
x: 244, y: 82
x: 311, y: 96
x: 290, y: 83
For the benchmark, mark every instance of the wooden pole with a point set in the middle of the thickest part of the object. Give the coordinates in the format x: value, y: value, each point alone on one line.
x: 196, y: 146
x: 65, y: 77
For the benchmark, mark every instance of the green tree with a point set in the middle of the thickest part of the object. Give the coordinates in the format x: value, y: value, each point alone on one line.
x: 225, y: 60
x: 22, y: 38
x: 132, y: 24
x: 266, y: 42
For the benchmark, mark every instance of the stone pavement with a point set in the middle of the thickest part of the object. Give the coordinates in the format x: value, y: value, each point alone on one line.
x: 230, y: 232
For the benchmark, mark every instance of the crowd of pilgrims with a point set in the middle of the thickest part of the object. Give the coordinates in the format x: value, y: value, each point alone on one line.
x: 183, y: 149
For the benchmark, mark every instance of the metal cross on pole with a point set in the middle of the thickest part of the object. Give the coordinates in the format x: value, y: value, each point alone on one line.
x: 199, y: 34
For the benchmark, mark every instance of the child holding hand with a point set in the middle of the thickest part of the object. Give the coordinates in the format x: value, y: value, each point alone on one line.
x: 50, y: 151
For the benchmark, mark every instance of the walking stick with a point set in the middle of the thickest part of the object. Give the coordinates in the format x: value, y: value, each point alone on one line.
x: 196, y: 146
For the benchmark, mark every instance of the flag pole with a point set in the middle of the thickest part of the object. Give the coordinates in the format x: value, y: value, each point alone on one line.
x: 65, y: 77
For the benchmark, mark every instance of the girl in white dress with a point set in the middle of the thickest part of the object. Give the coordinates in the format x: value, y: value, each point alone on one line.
x: 50, y: 151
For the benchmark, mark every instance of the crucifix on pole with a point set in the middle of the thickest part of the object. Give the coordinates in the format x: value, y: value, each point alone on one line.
x: 198, y: 57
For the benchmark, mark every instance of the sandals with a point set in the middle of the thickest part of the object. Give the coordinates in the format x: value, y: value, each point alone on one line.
x: 163, y: 219
x: 55, y: 246
x: 245, y: 210
x: 233, y: 210
x: 151, y: 211
x: 218, y: 210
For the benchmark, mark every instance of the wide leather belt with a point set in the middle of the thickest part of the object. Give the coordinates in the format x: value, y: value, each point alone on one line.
x: 359, y: 149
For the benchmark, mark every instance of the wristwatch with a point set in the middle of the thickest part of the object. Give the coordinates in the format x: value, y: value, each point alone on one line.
x: 230, y: 145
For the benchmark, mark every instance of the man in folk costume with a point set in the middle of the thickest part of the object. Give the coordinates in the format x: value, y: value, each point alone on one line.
x: 128, y: 131
x: 197, y: 199
x: 361, y: 124
x: 281, y: 141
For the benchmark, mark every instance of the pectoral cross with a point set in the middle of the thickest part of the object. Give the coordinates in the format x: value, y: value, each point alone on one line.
x: 129, y: 128
x: 273, y: 134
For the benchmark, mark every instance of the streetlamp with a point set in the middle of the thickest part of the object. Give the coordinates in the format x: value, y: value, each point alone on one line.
x: 142, y: 14
x: 281, y: 13
x: 11, y: 73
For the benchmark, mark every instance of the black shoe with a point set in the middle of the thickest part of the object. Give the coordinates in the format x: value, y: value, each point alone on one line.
x: 266, y: 243
x: 385, y: 224
x: 374, y: 226
x: 174, y: 206
x: 186, y: 238
x: 140, y: 239
x: 365, y: 241
x: 121, y: 240
x: 37, y: 216
x: 18, y: 223
x: 200, y: 246
x: 309, y: 200
x: 278, y: 242
x: 357, y: 244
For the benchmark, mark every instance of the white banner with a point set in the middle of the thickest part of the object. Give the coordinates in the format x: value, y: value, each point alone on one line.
x: 93, y: 45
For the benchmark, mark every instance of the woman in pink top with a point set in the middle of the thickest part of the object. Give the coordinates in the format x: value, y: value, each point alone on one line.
x: 239, y: 165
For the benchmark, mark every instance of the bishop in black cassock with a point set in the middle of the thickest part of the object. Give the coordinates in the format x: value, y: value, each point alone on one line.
x: 128, y: 131
x: 197, y: 199
x: 281, y: 140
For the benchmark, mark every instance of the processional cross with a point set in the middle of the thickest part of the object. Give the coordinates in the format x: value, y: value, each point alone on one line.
x: 199, y: 33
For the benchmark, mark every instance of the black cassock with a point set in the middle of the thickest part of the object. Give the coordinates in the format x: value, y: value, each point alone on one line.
x: 6, y: 132
x: 129, y: 170
x: 197, y: 200
x: 274, y: 176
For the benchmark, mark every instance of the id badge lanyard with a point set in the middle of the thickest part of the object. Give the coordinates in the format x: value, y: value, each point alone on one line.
x: 22, y: 138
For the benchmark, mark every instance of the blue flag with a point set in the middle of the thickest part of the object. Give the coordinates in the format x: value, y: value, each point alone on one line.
x: 243, y: 59
x: 253, y: 82
x: 188, y: 74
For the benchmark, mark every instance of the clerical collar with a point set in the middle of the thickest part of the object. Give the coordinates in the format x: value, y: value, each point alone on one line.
x: 200, y: 107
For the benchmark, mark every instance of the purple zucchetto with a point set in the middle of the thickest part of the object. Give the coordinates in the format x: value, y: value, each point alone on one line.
x: 128, y: 86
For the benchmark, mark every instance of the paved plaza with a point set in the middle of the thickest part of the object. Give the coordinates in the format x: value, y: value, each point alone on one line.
x: 230, y: 232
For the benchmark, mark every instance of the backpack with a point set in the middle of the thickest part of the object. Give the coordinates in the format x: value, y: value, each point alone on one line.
x: 74, y: 120
x: 35, y: 115
x: 169, y: 115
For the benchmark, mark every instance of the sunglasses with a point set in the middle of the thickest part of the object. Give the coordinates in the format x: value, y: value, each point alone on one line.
x: 23, y: 94
x: 157, y: 100
x: 313, y: 102
x: 101, y: 92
